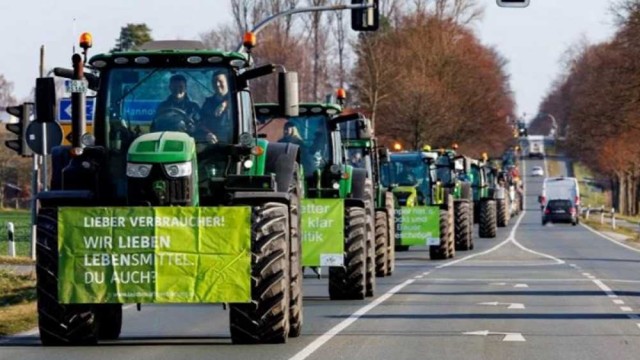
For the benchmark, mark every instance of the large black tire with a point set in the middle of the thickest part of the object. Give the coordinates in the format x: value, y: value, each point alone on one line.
x: 348, y: 282
x: 371, y: 239
x: 58, y: 324
x: 471, y: 212
x: 446, y: 249
x: 266, y: 318
x: 382, y: 232
x: 295, y: 306
x: 391, y: 227
x: 502, y: 210
x: 109, y: 318
x: 488, y: 221
x: 462, y: 225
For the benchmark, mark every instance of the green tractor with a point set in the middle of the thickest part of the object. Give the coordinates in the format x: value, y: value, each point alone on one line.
x: 363, y: 152
x: 449, y: 168
x: 488, y: 194
x: 173, y: 198
x: 424, y: 207
x: 327, y: 176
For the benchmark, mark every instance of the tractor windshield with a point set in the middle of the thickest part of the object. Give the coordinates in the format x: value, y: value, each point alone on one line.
x: 359, y: 158
x: 309, y: 132
x: 443, y: 169
x: 197, y: 101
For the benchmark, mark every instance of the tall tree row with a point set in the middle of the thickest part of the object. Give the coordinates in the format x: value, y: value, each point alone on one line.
x: 424, y: 76
x: 428, y: 80
x: 597, y: 104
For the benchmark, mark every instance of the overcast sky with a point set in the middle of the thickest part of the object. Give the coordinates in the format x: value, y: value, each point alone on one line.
x: 532, y: 39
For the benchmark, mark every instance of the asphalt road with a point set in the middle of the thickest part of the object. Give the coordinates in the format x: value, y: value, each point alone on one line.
x: 554, y: 292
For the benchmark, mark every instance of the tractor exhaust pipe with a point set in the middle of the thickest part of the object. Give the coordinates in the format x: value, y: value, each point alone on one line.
x: 78, y: 102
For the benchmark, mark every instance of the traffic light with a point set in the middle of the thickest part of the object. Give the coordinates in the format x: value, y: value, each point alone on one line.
x: 22, y: 112
x: 365, y: 19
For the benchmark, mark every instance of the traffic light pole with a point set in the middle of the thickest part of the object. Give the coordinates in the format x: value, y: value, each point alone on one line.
x: 261, y: 25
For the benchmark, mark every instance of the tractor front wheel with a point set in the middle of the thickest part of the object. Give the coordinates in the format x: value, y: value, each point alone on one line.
x: 266, y: 318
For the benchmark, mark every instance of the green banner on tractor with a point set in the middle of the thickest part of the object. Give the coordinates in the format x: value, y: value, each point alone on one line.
x: 154, y: 255
x: 418, y: 226
x: 322, y: 232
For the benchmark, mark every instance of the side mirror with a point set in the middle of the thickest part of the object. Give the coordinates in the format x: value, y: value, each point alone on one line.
x: 364, y: 129
x: 92, y: 80
x: 288, y: 93
x: 540, y: 199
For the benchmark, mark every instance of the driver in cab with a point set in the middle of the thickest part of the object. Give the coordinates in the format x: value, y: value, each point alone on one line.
x: 178, y: 99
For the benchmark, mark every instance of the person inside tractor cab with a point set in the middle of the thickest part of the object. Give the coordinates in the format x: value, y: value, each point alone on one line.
x: 407, y: 177
x: 356, y: 159
x: 177, y: 112
x: 314, y: 156
x: 291, y: 134
x: 216, y: 123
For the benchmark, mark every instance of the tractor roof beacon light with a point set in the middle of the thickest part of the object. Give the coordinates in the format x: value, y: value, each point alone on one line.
x: 341, y: 95
x: 454, y: 146
x: 426, y: 148
x: 86, y: 42
x: 249, y: 40
x: 397, y: 146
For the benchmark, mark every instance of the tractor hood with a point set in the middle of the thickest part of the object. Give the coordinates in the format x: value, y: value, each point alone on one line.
x: 162, y: 147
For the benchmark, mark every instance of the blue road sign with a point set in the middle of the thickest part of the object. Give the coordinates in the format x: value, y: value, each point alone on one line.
x: 64, y: 109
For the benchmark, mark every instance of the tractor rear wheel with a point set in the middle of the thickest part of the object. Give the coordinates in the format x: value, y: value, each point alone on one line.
x: 444, y: 250
x: 502, y: 212
x: 348, y: 282
x: 266, y: 318
x: 295, y: 306
x: 59, y: 324
x: 488, y: 221
x: 371, y: 238
x: 391, y: 237
x: 382, y: 233
x: 462, y: 224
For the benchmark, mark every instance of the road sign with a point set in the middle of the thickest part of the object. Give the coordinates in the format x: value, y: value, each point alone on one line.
x: 64, y: 109
x: 35, y: 139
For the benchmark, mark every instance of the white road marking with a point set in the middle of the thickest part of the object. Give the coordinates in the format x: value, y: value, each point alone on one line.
x: 607, y: 290
x: 511, y: 306
x: 528, y: 280
x: 618, y: 302
x: 626, y: 308
x: 329, y: 334
x: 508, y: 336
x: 586, y: 274
x: 419, y: 277
x: 610, y: 239
x: 321, y: 340
x: 521, y: 286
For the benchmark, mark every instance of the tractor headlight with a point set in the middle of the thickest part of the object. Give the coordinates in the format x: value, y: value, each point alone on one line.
x: 178, y: 169
x: 138, y: 170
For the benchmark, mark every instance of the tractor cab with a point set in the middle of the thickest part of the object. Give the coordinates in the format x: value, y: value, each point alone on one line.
x: 410, y: 177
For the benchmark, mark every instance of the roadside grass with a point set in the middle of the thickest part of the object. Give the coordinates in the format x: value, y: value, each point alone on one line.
x: 17, y: 302
x: 21, y: 220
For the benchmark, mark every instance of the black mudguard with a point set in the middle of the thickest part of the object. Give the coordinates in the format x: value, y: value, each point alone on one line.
x: 281, y: 158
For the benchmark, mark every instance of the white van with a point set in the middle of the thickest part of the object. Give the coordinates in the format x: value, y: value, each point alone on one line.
x: 560, y: 188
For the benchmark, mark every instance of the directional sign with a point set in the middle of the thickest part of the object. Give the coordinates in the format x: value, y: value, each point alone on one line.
x: 508, y: 336
x: 511, y: 306
x: 64, y: 109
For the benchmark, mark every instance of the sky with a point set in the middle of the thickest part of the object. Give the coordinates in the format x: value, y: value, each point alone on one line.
x: 532, y: 39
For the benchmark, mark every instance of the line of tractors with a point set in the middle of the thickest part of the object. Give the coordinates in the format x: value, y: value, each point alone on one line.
x: 151, y: 146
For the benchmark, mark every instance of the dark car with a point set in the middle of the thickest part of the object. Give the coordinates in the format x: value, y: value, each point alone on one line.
x: 560, y: 211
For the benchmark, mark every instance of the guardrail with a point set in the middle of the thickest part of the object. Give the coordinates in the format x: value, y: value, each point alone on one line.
x: 611, y: 213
